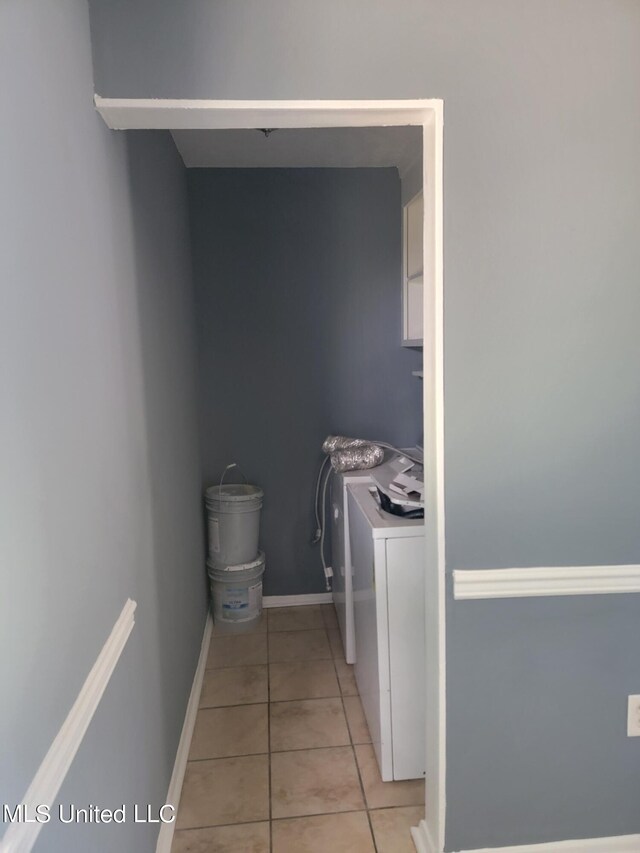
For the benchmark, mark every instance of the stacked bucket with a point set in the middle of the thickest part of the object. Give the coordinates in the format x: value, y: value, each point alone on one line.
x: 235, y: 566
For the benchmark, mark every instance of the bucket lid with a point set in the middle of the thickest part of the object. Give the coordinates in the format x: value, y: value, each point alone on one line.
x: 233, y: 492
x: 239, y: 567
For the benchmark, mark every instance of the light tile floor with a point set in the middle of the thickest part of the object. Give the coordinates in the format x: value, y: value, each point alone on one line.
x: 281, y: 759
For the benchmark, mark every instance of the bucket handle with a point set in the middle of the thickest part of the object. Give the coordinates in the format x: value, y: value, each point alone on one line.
x: 228, y: 468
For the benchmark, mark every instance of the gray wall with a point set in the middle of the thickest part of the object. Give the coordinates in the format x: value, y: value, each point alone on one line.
x: 99, y: 494
x: 547, y: 757
x: 298, y: 279
x: 542, y: 397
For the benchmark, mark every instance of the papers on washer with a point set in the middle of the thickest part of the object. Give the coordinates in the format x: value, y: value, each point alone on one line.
x: 407, y: 485
x: 401, y: 480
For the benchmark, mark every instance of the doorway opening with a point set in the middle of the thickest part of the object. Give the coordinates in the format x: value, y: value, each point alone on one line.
x: 185, y: 115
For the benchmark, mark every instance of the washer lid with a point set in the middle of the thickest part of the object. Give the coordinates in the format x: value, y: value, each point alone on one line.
x: 383, y: 524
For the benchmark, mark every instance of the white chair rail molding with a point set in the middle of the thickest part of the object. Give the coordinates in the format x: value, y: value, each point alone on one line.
x: 21, y: 836
x: 545, y: 581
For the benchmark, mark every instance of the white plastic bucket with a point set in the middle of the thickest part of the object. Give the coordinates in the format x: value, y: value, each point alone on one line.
x: 236, y: 591
x: 233, y: 521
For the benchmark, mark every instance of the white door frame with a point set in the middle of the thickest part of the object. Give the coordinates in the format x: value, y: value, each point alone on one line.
x: 161, y: 114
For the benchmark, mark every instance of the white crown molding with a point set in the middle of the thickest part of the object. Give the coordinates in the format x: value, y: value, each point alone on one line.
x: 165, y: 836
x: 549, y: 580
x: 616, y: 844
x: 21, y: 837
x: 297, y: 600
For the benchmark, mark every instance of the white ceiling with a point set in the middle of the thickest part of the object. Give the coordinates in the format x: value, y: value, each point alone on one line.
x: 332, y: 147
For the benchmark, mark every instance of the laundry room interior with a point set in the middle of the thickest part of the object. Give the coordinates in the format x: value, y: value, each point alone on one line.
x: 298, y: 276
x: 307, y: 252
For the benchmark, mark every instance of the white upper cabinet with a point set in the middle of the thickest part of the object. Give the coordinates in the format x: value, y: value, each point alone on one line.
x: 413, y: 273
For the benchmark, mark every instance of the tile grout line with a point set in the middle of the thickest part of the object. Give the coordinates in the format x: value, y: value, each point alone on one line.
x: 290, y: 749
x: 228, y: 707
x: 225, y: 757
x: 355, y: 761
x: 293, y: 817
x: 220, y: 825
x: 326, y: 636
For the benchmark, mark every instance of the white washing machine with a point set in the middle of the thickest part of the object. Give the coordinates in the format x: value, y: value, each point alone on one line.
x: 388, y: 565
x: 342, y: 587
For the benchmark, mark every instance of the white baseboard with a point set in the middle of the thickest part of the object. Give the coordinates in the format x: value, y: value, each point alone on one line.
x: 422, y: 839
x: 43, y: 790
x: 547, y: 580
x: 297, y: 600
x: 616, y: 844
x: 165, y: 836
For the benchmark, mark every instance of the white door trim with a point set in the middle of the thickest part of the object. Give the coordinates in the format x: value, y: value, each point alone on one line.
x: 548, y: 580
x: 137, y: 114
x: 422, y: 840
x: 184, y: 114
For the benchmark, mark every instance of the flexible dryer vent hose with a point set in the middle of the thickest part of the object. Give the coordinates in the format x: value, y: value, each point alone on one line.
x: 357, y: 458
x: 341, y: 442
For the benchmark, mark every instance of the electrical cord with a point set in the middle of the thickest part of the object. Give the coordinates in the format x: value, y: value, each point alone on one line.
x: 323, y: 528
x: 321, y: 511
x: 318, y: 532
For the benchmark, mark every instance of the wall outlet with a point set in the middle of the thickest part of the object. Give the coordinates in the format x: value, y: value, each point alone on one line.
x: 633, y: 717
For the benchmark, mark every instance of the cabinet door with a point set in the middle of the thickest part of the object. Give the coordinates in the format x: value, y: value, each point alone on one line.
x: 414, y: 210
x: 407, y: 666
x: 414, y: 296
x: 413, y: 278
